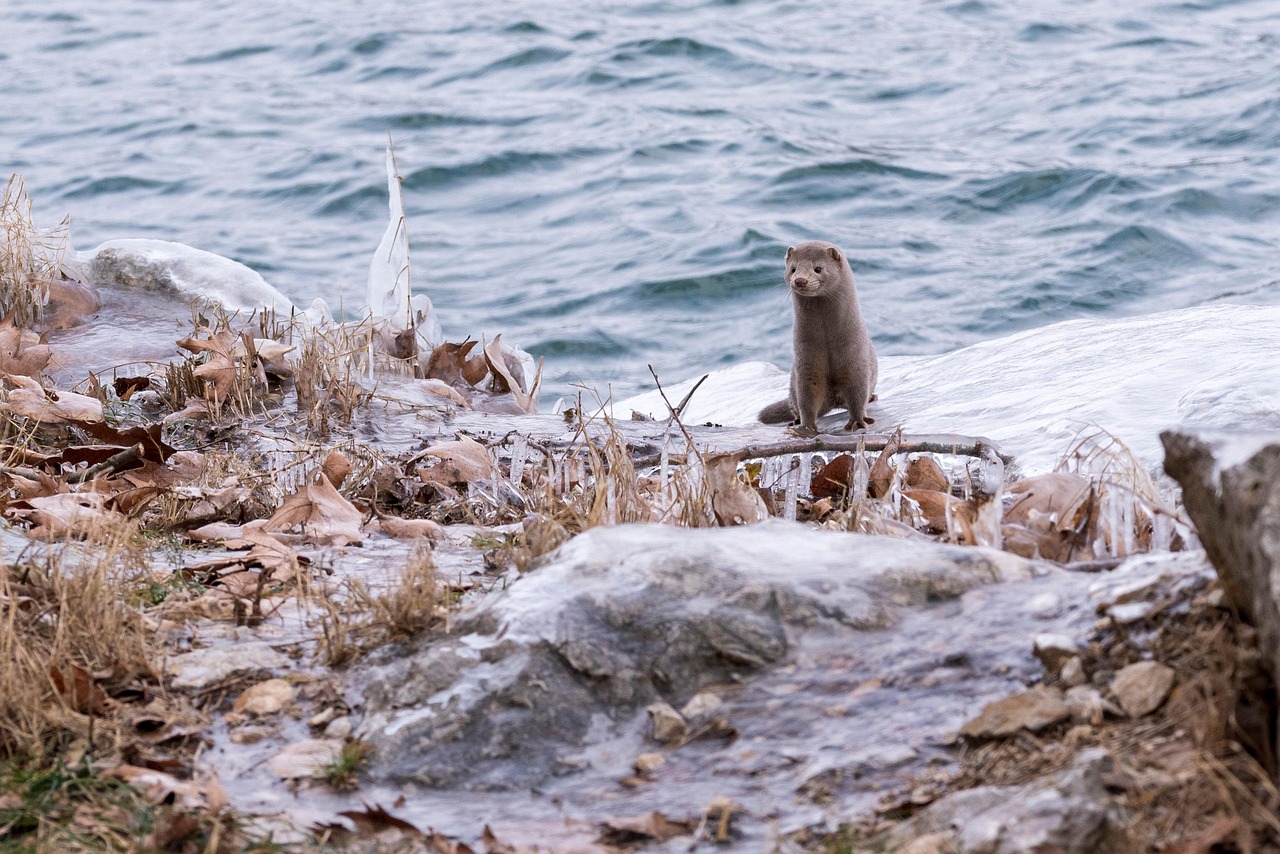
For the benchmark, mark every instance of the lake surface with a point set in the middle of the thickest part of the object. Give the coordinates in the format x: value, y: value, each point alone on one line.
x: 614, y: 185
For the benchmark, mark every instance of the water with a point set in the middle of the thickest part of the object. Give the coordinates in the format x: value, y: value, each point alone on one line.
x: 613, y: 185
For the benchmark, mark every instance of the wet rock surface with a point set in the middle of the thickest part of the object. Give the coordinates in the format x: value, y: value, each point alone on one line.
x: 620, y: 618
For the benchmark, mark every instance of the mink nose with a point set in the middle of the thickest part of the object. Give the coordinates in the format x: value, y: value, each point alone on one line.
x: 800, y: 283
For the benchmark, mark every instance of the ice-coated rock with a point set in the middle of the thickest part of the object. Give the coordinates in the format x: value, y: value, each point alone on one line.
x: 620, y: 618
x: 1065, y: 813
x: 1032, y: 710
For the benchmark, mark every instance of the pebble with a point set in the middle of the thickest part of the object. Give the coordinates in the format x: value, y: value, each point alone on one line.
x: 1142, y: 687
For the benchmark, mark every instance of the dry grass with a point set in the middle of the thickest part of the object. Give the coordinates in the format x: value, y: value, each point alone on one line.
x: 29, y: 257
x: 361, y: 619
x: 66, y: 620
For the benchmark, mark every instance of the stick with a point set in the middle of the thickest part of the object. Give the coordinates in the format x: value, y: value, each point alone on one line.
x: 939, y: 443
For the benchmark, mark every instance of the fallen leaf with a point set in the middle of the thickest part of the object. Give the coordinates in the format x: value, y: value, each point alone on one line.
x: 374, y: 819
x: 835, y: 478
x: 925, y: 473
x: 410, y: 529
x: 57, y: 516
x: 504, y: 372
x: 22, y: 353
x: 336, y: 467
x: 442, y: 389
x: 320, y: 510
x: 158, y: 786
x: 32, y: 400
x: 448, y: 363
x: 462, y: 461
x: 643, y: 829
x: 732, y: 501
x: 220, y: 373
x: 882, y: 473
x: 77, y: 687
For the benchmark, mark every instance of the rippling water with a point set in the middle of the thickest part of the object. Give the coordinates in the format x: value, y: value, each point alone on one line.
x: 613, y: 185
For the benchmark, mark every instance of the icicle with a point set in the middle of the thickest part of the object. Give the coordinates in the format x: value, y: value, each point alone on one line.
x: 861, y: 476
x: 519, y: 447
x: 1161, y: 532
x: 1126, y: 520
x: 610, y: 502
x: 805, y: 482
x: 1112, y: 505
x: 793, y: 490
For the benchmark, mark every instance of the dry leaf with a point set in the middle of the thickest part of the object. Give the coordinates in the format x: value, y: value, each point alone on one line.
x: 834, y: 479
x: 652, y: 827
x: 410, y: 529
x: 373, y: 819
x: 448, y: 363
x: 324, y: 515
x: 442, y: 389
x: 733, y: 502
x: 882, y: 473
x: 22, y: 352
x: 504, y: 372
x: 56, y: 516
x: 220, y: 373
x: 926, y: 473
x: 336, y: 467
x: 77, y: 687
x: 159, y: 787
x: 463, y: 461
x: 265, y: 698
x: 944, y: 514
x: 30, y: 399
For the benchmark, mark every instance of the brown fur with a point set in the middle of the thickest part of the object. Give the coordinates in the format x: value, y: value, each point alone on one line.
x: 835, y: 362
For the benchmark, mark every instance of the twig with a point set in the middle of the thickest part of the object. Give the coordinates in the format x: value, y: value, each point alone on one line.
x: 675, y: 414
x: 941, y: 443
x: 679, y: 410
x: 110, y: 464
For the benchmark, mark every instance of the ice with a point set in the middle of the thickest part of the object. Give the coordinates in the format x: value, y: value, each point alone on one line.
x: 144, y: 264
x: 1210, y: 366
x: 389, y: 294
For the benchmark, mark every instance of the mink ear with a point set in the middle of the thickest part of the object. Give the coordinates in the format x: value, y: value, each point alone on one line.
x: 835, y: 253
x: 790, y: 249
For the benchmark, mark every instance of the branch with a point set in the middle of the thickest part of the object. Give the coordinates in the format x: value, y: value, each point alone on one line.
x: 938, y: 443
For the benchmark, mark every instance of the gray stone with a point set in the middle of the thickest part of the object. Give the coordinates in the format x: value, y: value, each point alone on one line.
x: 1065, y: 813
x: 1054, y: 651
x: 1140, y: 688
x: 1073, y: 672
x: 574, y: 651
x: 1032, y: 710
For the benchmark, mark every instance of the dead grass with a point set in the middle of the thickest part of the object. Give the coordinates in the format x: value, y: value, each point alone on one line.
x: 29, y: 258
x: 360, y: 619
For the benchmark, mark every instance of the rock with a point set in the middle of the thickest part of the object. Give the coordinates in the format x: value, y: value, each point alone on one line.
x: 338, y: 729
x: 1064, y: 813
x: 1072, y: 672
x: 1231, y: 490
x: 306, y: 758
x: 933, y: 843
x: 1054, y: 651
x: 646, y: 763
x: 702, y: 704
x: 1086, y: 704
x: 1140, y: 688
x: 265, y: 698
x: 669, y: 725
x: 1031, y: 710
x: 572, y: 654
x: 213, y: 664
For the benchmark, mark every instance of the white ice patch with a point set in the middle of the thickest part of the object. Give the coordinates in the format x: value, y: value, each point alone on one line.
x: 158, y: 265
x: 1211, y: 367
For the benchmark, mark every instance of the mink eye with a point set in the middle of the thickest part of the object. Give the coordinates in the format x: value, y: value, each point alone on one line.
x: 793, y: 269
x: 817, y: 269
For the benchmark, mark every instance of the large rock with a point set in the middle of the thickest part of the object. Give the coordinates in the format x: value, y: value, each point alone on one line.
x: 1065, y: 813
x: 620, y: 618
x: 1231, y: 490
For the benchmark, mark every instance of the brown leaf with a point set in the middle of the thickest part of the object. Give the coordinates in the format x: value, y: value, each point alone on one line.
x: 223, y: 343
x: 644, y: 829
x: 77, y: 687
x: 33, y: 401
x: 926, y: 473
x: 835, y: 478
x: 219, y: 372
x: 336, y: 467
x: 462, y: 461
x: 22, y: 352
x: 159, y: 787
x: 442, y: 389
x: 154, y: 448
x: 508, y: 376
x: 448, y: 363
x: 943, y: 514
x: 882, y: 472
x: 321, y: 511
x: 373, y: 819
x: 732, y: 501
x: 1051, y: 516
x: 126, y: 387
x: 57, y: 516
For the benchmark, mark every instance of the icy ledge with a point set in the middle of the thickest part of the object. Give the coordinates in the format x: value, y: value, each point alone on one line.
x: 1034, y: 392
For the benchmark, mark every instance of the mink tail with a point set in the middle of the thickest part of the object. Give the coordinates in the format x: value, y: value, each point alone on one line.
x: 777, y: 413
